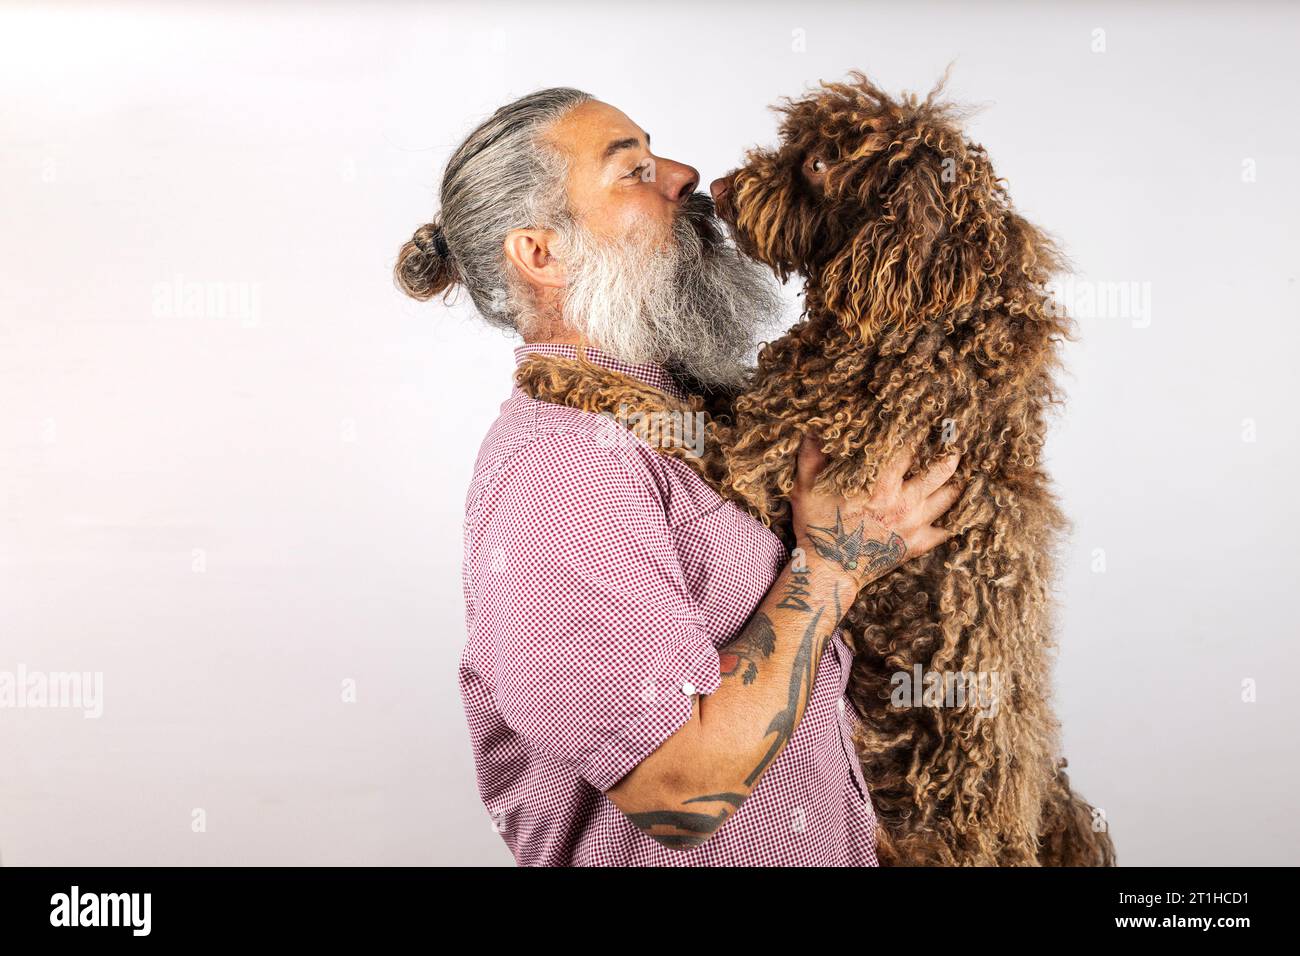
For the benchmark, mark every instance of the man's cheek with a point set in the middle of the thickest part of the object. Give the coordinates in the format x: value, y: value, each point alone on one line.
x: 637, y: 218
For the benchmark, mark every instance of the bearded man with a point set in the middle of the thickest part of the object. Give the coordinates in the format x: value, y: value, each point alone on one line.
x: 644, y: 677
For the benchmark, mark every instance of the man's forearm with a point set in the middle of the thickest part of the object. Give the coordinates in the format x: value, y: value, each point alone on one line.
x: 707, y: 769
x: 696, y: 780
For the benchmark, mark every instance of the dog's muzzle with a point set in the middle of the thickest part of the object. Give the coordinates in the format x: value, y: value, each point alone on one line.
x: 721, y: 190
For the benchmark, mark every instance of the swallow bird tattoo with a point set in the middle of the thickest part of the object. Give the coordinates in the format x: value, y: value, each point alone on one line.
x: 852, y: 549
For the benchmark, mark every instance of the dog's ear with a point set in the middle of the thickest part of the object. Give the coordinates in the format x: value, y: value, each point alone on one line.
x: 911, y: 258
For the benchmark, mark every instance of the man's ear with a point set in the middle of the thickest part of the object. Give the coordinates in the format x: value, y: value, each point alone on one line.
x: 529, y: 251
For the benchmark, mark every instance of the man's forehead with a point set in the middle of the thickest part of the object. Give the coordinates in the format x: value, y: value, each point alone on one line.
x: 596, y: 130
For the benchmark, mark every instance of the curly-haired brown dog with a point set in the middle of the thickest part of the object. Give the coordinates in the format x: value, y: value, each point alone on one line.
x: 927, y: 327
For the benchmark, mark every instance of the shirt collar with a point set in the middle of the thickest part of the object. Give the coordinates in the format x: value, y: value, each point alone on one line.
x: 649, y: 373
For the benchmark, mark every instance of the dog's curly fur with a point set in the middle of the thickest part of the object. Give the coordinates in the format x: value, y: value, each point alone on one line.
x: 927, y: 328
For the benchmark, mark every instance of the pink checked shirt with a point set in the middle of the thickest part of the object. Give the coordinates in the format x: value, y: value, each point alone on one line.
x: 601, y: 579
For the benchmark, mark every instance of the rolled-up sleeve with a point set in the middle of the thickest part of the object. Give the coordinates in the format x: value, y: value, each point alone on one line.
x: 598, y: 647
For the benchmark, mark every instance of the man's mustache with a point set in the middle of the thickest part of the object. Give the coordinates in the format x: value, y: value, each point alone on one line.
x: 697, y: 213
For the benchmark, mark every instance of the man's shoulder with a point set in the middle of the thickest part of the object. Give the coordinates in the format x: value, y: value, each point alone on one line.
x: 535, y: 444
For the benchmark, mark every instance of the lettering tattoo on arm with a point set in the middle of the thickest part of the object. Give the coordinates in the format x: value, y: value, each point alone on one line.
x: 795, y: 592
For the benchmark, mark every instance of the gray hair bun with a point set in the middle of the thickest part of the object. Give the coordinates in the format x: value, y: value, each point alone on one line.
x: 424, y: 266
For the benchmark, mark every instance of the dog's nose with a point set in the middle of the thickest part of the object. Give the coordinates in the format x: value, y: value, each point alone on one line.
x: 720, y: 187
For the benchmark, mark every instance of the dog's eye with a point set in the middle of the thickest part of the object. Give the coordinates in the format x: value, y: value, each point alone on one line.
x: 814, y: 167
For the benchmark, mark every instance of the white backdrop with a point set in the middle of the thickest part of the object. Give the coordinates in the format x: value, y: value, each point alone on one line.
x: 234, y: 458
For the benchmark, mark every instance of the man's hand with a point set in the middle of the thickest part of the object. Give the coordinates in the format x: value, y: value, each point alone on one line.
x: 868, y: 536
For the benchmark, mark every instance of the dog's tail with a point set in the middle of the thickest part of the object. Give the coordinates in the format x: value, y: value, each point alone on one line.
x: 1074, y: 833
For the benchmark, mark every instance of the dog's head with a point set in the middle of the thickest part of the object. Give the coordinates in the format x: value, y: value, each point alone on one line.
x: 884, y: 207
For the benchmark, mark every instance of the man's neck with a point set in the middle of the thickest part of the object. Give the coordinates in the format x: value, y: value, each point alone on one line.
x: 552, y: 331
x: 557, y: 338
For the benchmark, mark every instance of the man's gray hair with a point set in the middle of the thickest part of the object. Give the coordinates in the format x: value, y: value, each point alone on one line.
x: 502, y: 177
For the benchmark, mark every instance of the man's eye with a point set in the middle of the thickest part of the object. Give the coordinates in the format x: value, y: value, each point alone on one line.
x: 636, y: 172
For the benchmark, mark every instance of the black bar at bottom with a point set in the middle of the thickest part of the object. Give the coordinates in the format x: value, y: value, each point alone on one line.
x: 486, y: 906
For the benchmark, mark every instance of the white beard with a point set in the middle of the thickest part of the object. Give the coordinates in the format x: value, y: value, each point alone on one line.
x: 694, y: 304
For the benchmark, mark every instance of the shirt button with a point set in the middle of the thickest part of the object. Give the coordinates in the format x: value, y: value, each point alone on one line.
x: 688, y: 688
x: 840, y: 705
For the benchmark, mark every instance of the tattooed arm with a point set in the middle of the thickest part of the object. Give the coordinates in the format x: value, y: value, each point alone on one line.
x: 684, y: 791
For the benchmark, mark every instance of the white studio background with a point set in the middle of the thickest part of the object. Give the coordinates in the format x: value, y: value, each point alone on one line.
x: 231, y: 509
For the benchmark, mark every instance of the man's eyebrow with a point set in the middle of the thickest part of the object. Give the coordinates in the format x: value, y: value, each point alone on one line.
x: 620, y: 144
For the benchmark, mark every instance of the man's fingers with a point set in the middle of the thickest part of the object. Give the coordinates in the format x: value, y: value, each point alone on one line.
x: 810, y: 462
x: 920, y: 487
x: 926, y: 539
x: 892, y: 472
x: 934, y: 507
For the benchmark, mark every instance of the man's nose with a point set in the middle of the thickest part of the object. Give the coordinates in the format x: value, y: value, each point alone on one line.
x: 684, y: 181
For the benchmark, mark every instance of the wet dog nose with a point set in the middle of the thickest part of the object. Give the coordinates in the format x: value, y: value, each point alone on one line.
x: 720, y: 187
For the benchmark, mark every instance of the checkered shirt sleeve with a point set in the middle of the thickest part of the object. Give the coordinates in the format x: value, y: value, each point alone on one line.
x: 599, y: 644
